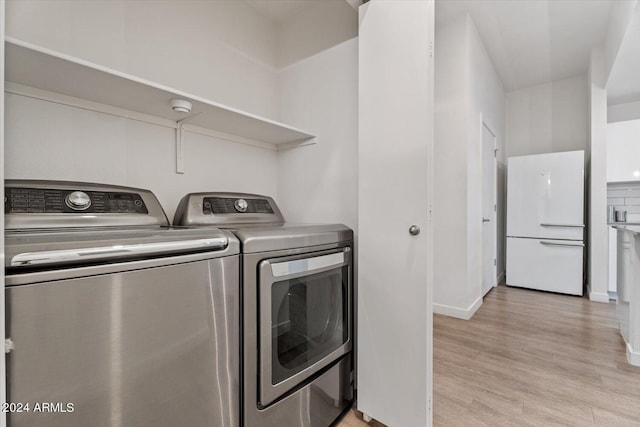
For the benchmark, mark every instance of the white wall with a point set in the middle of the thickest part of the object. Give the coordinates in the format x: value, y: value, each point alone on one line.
x: 318, y: 27
x: 451, y: 133
x: 319, y: 183
x: 598, y: 233
x: 467, y: 88
x: 601, y: 64
x: 623, y: 112
x: 51, y: 141
x: 489, y: 101
x: 221, y: 50
x: 225, y: 51
x: 547, y: 118
x: 619, y: 19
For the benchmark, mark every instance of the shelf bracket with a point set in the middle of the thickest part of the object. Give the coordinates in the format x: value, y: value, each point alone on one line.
x: 179, y: 148
x: 180, y: 143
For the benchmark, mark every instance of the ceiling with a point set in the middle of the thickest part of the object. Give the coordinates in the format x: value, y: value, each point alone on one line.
x: 624, y: 81
x: 281, y: 10
x: 531, y: 42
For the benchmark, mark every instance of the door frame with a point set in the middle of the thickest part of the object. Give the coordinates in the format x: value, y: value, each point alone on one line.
x: 483, y: 126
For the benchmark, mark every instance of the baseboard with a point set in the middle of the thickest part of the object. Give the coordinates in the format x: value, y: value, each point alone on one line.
x: 501, y: 278
x: 597, y: 296
x: 460, y: 313
x: 633, y: 356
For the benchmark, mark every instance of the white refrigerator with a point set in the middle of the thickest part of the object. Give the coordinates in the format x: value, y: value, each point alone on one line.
x: 545, y: 222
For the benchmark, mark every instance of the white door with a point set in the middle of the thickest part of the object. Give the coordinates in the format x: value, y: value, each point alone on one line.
x: 546, y: 196
x: 395, y: 144
x: 489, y: 217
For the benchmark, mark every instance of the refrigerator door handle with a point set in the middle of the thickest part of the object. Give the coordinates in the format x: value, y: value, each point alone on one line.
x: 561, y: 225
x: 546, y: 242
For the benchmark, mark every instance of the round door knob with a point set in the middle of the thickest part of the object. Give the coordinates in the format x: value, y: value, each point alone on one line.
x: 241, y: 205
x: 414, y: 230
x: 78, y: 200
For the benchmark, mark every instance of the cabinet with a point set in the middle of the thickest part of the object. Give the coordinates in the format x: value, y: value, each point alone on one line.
x: 628, y: 301
x: 394, y: 226
x: 623, y: 151
x: 624, y: 274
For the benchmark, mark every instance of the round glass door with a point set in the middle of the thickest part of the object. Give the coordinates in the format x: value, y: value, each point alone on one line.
x: 309, y: 320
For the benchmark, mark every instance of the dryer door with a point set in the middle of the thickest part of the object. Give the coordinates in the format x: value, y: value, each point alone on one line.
x: 305, y: 318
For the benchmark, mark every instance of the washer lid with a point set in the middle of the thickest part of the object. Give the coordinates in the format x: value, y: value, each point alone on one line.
x: 42, y: 249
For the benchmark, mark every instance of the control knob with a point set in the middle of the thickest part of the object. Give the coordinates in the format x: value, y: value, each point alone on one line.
x: 241, y: 205
x: 78, y: 200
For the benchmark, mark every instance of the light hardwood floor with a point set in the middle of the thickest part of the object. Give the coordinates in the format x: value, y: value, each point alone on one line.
x: 354, y: 419
x: 531, y: 358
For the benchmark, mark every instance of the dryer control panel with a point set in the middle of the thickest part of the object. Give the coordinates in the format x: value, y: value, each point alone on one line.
x: 227, y: 210
x: 228, y: 205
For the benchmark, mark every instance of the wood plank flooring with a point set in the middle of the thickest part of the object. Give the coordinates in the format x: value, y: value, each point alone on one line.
x: 530, y: 358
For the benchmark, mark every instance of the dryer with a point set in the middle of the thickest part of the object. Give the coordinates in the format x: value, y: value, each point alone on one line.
x: 297, y: 309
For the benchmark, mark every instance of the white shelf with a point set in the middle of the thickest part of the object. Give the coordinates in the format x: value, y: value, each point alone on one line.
x: 47, y: 70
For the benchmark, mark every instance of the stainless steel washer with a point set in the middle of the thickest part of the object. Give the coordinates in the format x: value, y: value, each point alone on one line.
x: 297, y: 309
x: 116, y: 319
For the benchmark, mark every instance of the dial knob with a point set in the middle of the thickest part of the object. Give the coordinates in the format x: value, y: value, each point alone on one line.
x: 241, y: 205
x: 78, y: 200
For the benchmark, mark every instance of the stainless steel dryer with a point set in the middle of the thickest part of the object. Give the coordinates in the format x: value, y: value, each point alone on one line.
x: 114, y: 318
x: 297, y: 309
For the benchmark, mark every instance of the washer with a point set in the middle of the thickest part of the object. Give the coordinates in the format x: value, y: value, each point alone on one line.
x: 297, y: 309
x: 113, y: 318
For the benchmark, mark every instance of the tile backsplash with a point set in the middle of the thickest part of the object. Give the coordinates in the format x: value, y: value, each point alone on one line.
x: 625, y: 196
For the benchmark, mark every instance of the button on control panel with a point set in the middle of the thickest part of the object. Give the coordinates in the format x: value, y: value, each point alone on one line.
x: 78, y: 200
x: 241, y: 205
x: 228, y: 205
x: 37, y: 200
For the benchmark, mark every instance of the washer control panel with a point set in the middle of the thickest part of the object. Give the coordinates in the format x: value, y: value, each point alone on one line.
x: 228, y: 205
x: 39, y: 200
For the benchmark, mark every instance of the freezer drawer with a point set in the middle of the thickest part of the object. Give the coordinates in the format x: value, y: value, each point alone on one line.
x: 147, y: 347
x: 547, y: 265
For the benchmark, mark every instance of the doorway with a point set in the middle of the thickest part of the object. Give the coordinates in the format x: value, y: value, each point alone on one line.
x: 489, y: 210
